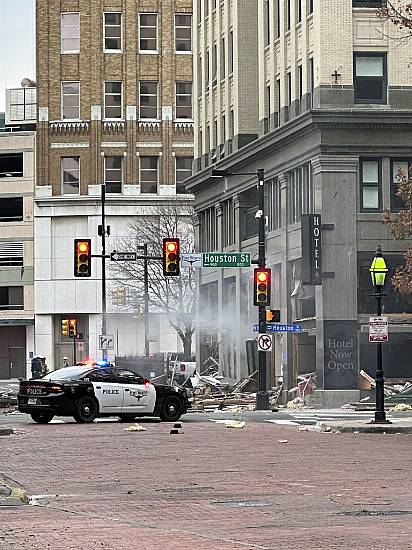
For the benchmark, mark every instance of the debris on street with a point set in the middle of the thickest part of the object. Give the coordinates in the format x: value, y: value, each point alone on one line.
x: 318, y: 427
x: 135, y: 428
x: 236, y: 424
x: 401, y: 407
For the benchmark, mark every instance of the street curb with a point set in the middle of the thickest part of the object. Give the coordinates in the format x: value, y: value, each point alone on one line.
x: 17, y: 493
x: 365, y: 427
x: 6, y: 431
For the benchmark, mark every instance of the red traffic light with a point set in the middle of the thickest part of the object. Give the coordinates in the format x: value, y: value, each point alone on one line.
x: 82, y: 258
x: 171, y: 257
x: 261, y: 284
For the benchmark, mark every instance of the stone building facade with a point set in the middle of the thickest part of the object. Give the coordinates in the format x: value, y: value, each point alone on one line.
x: 320, y: 94
x: 114, y: 88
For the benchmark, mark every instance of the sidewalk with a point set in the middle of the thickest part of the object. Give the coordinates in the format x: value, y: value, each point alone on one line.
x: 209, y: 488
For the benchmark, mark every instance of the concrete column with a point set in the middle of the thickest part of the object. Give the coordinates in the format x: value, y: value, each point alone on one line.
x: 44, y: 338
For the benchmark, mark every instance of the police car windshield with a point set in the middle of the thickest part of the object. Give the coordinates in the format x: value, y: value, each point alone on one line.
x: 68, y: 373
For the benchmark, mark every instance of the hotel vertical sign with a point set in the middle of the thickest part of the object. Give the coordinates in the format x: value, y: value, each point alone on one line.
x: 311, y: 249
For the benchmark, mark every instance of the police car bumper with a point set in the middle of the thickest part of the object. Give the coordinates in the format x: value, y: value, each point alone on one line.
x: 55, y: 405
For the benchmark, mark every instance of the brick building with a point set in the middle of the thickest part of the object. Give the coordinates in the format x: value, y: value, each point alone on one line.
x: 114, y: 83
x: 318, y: 93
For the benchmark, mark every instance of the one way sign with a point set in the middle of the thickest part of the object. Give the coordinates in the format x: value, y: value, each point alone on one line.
x: 123, y: 256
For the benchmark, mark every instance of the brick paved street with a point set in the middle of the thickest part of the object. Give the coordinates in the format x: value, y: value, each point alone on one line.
x: 210, y: 488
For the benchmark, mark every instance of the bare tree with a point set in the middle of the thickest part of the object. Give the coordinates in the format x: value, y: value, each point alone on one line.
x: 173, y: 296
x: 400, y: 13
x: 400, y: 225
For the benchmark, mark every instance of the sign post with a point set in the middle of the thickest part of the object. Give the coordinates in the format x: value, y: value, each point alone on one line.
x: 378, y: 329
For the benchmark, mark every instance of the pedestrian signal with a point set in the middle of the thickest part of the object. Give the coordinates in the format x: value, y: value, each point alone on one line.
x: 82, y: 258
x: 72, y: 328
x: 273, y: 315
x: 171, y: 257
x: 65, y: 327
x: 261, y: 286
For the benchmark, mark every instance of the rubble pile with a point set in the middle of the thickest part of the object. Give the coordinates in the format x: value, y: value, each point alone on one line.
x: 219, y: 393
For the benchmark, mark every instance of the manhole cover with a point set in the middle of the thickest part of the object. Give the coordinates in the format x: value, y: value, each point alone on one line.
x: 362, y: 513
x: 5, y: 491
x: 241, y: 503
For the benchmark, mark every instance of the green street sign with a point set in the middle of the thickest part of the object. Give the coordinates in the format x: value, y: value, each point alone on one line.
x: 226, y: 259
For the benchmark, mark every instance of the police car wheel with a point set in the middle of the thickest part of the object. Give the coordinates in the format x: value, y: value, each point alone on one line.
x: 86, y: 410
x: 171, y: 409
x: 42, y: 418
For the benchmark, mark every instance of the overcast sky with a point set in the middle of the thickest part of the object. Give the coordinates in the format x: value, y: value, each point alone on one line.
x: 17, y: 57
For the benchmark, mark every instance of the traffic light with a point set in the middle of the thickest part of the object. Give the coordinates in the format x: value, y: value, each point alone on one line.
x: 273, y: 315
x: 82, y: 258
x: 261, y: 286
x: 119, y: 296
x: 171, y: 257
x: 65, y: 327
x: 72, y: 328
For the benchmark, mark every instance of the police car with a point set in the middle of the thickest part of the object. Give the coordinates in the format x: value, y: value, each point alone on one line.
x: 88, y: 391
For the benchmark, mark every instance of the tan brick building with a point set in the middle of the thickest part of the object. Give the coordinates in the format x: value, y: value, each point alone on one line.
x: 318, y: 94
x: 114, y: 93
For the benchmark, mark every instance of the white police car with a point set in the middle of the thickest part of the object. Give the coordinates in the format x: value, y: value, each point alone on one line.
x: 88, y: 391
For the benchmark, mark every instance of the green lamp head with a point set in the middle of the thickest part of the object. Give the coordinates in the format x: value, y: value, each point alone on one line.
x: 378, y: 269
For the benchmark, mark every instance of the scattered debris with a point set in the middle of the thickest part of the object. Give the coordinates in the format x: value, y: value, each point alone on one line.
x: 401, y: 407
x: 296, y: 403
x: 135, y: 428
x: 283, y: 441
x: 235, y: 424
x: 318, y: 427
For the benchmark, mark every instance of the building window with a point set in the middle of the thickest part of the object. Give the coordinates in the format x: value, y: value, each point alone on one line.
x: 207, y: 69
x: 300, y: 87
x: 370, y: 182
x: 300, y: 193
x: 288, y: 14
x: 208, y: 230
x: 11, y: 253
x: 11, y: 297
x: 310, y: 6
x: 71, y: 100
x: 277, y: 11
x: 23, y: 104
x: 11, y: 209
x: 183, y: 100
x: 183, y: 32
x: 149, y: 174
x: 368, y: 3
x: 268, y: 109
x: 148, y: 32
x: 70, y: 175
x: 113, y: 174
x: 228, y: 218
x: 370, y: 77
x: 112, y: 32
x: 230, y: 52
x: 222, y: 59
x: 278, y: 103
x: 70, y: 32
x: 311, y: 80
x: 266, y: 15
x: 11, y: 165
x: 401, y: 170
x: 112, y: 100
x: 148, y: 108
x: 183, y: 171
x: 299, y: 10
x: 273, y: 201
x: 214, y: 64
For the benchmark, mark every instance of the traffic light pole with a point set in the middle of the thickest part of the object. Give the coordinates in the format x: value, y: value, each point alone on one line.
x: 146, y: 297
x: 262, y: 396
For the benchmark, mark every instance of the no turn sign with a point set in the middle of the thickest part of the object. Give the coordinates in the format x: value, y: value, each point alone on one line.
x: 264, y: 342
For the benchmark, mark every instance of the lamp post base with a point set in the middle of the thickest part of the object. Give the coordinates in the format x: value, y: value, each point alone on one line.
x: 380, y: 422
x: 262, y: 401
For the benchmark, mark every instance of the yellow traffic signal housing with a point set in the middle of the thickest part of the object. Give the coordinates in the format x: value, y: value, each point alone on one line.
x: 65, y: 327
x: 261, y: 286
x: 72, y: 328
x: 171, y: 257
x: 82, y: 258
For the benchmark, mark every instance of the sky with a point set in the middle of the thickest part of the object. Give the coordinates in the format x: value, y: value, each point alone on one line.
x: 17, y: 54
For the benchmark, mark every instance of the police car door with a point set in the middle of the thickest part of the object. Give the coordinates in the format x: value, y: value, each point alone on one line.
x: 109, y: 394
x: 138, y: 397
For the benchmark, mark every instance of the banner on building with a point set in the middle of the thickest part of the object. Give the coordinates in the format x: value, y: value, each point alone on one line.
x: 311, y: 228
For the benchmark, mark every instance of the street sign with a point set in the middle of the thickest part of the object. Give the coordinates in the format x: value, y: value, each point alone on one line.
x: 378, y: 329
x: 226, y: 259
x: 106, y: 341
x: 277, y: 327
x: 123, y: 256
x: 191, y: 260
x: 264, y: 342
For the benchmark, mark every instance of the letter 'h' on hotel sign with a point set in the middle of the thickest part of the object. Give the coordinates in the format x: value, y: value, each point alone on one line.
x: 311, y: 249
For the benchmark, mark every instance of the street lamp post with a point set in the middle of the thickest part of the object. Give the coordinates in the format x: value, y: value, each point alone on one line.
x: 262, y: 396
x: 378, y: 271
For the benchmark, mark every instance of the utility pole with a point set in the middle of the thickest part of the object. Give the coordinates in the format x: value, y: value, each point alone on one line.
x: 102, y: 232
